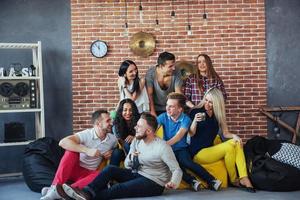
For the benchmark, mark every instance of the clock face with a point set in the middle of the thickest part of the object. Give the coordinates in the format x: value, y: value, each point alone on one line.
x: 99, y: 49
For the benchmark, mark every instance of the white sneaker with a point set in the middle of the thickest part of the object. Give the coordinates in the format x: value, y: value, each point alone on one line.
x: 75, y: 193
x: 215, y: 185
x: 51, y: 194
x: 44, y: 191
x: 196, y: 185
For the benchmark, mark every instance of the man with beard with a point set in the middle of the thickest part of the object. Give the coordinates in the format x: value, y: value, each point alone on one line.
x: 84, y: 152
x: 150, y: 165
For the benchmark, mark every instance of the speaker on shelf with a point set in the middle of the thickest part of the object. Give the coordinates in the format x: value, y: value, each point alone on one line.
x: 14, y: 132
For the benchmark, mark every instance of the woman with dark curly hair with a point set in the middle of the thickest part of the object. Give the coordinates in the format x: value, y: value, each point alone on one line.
x: 123, y: 128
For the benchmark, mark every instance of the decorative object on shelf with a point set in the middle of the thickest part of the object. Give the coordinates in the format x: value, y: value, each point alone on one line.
x: 205, y: 15
x: 99, y: 48
x: 186, y: 68
x: 17, y: 70
x: 141, y: 12
x: 33, y: 70
x: 142, y: 44
x: 189, y: 27
x: 276, y: 119
x: 173, y: 12
x: 126, y: 32
x: 2, y: 72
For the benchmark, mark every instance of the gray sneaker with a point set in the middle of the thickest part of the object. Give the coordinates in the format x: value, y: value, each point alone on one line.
x: 54, y: 192
x: 75, y: 193
x: 51, y: 194
x: 196, y: 185
x: 44, y: 191
x: 215, y: 185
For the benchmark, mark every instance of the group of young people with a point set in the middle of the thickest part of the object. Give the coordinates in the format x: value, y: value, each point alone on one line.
x: 192, y: 108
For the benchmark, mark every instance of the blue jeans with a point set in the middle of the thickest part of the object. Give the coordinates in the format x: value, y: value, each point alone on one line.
x: 118, y: 155
x: 129, y: 185
x: 185, y: 162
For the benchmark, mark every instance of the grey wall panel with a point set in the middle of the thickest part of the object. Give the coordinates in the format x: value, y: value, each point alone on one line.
x: 50, y: 23
x: 283, y: 57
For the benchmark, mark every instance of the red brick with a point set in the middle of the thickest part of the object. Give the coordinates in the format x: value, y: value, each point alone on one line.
x: 234, y: 38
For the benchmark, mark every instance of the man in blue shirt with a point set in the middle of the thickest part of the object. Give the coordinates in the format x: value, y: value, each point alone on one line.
x: 176, y: 125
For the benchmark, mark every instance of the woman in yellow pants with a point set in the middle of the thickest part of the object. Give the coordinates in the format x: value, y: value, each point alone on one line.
x: 207, y: 118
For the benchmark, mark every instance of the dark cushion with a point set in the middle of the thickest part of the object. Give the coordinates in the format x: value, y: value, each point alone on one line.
x: 266, y: 173
x: 40, y: 161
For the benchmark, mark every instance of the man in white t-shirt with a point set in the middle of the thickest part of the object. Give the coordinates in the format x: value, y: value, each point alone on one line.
x: 84, y: 152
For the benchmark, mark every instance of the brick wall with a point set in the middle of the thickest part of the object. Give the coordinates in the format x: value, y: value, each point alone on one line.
x: 234, y: 38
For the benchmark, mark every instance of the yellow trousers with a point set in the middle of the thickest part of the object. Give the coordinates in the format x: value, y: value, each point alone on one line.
x: 232, y: 153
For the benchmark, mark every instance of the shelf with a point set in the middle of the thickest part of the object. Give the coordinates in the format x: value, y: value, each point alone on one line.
x: 13, y: 106
x: 21, y: 110
x: 18, y: 45
x: 15, y: 143
x: 20, y: 78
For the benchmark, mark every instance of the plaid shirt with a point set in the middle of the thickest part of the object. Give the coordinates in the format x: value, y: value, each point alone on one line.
x: 194, y: 94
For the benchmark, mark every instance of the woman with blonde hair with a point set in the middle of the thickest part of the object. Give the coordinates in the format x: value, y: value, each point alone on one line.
x: 205, y: 78
x: 207, y: 118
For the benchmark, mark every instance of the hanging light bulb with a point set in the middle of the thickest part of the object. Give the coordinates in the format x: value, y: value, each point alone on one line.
x: 205, y: 15
x: 157, y: 28
x: 173, y: 12
x: 173, y: 16
x: 141, y: 12
x: 189, y: 31
x: 205, y: 19
x: 189, y: 27
x: 126, y: 30
x: 125, y: 33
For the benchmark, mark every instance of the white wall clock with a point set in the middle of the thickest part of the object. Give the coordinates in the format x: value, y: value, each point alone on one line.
x: 99, y: 48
